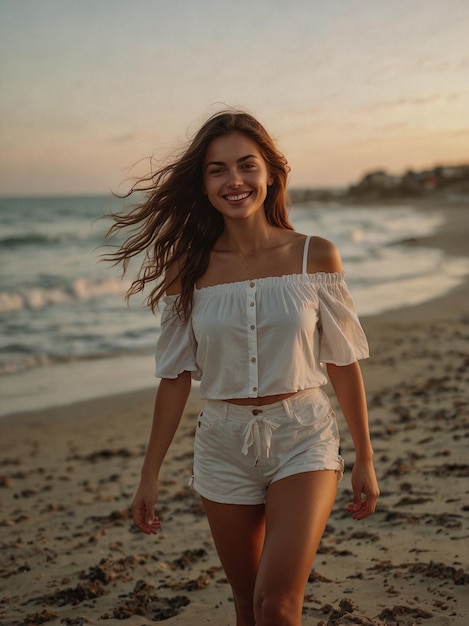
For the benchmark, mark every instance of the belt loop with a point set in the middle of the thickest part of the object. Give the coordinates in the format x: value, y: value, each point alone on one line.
x: 226, y: 408
x: 287, y: 407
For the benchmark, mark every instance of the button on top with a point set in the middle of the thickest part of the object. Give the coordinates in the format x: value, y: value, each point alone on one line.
x: 251, y: 335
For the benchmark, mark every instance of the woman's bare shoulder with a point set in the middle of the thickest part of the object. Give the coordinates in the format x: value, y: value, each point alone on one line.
x: 323, y: 256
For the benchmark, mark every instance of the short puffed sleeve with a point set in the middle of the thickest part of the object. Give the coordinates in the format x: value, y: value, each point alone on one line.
x: 342, y: 340
x: 176, y: 348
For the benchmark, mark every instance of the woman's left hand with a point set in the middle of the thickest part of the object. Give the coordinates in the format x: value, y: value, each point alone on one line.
x: 365, y: 490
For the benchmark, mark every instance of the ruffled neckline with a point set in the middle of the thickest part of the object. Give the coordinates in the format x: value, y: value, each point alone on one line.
x: 320, y: 278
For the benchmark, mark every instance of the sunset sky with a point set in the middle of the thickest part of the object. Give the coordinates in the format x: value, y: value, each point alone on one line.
x: 90, y: 87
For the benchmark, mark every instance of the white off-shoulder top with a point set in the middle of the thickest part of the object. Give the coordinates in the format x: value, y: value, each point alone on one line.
x: 262, y: 337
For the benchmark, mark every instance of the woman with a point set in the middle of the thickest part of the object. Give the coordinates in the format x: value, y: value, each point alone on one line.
x: 255, y: 311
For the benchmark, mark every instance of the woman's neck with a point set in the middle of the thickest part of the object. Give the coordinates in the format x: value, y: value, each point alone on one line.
x: 246, y: 239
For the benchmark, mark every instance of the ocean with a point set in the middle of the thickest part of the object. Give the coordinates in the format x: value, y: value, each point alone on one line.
x: 67, y: 333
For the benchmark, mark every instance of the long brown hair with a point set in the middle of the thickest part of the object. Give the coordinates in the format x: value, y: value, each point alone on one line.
x: 177, y: 224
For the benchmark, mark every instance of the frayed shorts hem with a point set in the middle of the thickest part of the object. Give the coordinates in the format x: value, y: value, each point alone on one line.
x: 243, y: 500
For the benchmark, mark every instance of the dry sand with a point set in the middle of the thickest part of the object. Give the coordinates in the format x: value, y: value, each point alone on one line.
x: 70, y: 555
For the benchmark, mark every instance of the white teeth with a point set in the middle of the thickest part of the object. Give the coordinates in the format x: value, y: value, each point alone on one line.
x: 241, y: 196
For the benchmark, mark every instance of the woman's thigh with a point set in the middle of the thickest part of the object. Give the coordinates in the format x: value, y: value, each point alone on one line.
x: 238, y: 532
x: 297, y: 510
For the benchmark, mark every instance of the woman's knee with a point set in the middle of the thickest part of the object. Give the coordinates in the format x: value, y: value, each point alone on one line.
x: 277, y: 609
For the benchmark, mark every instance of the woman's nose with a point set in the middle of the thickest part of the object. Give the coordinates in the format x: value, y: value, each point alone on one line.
x: 235, y: 179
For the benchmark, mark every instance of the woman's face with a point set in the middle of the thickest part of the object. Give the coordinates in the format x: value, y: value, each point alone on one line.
x: 235, y: 176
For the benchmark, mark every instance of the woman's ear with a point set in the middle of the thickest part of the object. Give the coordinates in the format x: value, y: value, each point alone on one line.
x: 270, y: 180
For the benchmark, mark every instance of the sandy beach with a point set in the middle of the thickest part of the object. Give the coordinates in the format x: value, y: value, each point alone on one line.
x: 70, y: 554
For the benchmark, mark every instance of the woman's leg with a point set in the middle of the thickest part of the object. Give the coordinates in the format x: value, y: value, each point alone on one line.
x: 297, y: 510
x: 238, y: 532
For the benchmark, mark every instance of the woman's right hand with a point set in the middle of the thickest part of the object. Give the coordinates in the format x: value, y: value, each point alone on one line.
x: 143, y: 506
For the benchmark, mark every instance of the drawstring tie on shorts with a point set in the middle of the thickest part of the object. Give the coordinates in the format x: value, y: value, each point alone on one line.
x: 259, y: 432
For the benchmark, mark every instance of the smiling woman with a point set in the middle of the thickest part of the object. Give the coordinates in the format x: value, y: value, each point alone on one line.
x: 178, y: 217
x: 252, y: 311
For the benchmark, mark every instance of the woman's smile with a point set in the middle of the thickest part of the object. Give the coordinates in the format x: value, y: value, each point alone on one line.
x: 237, y: 197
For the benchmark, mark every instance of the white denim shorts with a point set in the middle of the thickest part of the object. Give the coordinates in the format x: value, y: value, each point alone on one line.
x: 240, y: 450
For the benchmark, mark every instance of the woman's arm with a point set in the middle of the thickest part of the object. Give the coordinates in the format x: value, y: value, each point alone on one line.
x: 348, y: 386
x: 170, y: 401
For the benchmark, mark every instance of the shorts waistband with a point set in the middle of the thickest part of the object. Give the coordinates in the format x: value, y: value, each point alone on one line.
x: 243, y: 412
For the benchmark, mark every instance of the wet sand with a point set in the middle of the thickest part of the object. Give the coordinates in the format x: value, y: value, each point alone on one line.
x: 70, y: 555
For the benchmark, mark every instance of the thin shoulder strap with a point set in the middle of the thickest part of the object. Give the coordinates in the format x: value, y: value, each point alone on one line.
x: 305, y: 255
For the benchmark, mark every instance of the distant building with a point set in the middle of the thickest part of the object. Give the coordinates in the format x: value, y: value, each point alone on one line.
x: 379, y: 183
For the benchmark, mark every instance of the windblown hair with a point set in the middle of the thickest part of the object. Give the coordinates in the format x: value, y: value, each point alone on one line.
x: 177, y: 224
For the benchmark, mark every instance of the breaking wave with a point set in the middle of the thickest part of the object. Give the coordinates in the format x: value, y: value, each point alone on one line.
x: 80, y: 290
